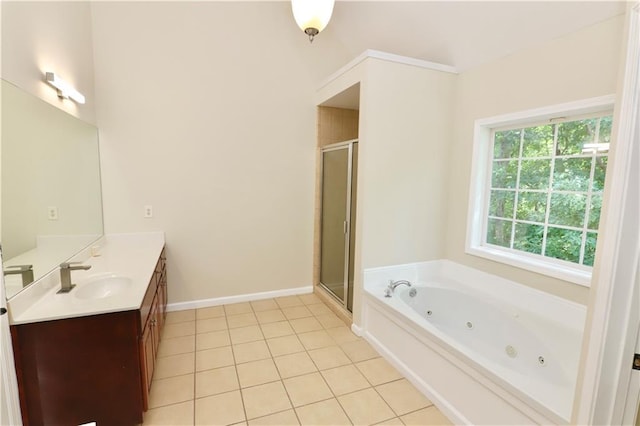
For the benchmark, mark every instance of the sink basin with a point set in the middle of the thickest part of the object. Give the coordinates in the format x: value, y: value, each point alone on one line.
x: 102, y: 286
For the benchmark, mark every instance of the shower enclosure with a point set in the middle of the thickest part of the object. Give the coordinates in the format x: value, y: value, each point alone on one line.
x: 337, y: 228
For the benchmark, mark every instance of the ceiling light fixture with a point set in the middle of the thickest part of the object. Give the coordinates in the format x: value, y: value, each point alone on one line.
x: 312, y: 16
x: 65, y: 90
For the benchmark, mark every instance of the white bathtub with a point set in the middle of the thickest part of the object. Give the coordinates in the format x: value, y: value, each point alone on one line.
x: 486, y: 350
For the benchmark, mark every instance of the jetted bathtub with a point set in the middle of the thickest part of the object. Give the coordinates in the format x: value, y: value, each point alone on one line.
x: 484, y: 349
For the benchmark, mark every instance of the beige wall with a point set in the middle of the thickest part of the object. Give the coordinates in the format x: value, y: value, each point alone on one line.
x: 405, y: 127
x: 213, y: 124
x: 581, y: 65
x: 206, y: 113
x: 405, y: 118
x: 405, y: 123
x: 47, y: 36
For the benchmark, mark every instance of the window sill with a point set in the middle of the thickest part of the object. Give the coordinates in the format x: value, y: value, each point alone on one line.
x: 552, y: 268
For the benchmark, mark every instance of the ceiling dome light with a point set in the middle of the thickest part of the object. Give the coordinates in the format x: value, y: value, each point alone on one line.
x: 312, y: 16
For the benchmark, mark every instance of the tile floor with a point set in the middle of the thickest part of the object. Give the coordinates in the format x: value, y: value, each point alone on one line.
x: 285, y: 361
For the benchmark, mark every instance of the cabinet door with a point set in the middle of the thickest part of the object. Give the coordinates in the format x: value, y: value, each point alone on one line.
x: 164, y: 300
x: 79, y: 370
x: 148, y: 359
x: 155, y: 323
x: 161, y: 307
x: 149, y: 350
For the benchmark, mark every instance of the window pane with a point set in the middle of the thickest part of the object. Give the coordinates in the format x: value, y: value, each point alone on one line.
x: 572, y: 135
x: 544, y: 179
x: 534, y: 174
x: 499, y: 232
x: 532, y: 206
x: 572, y: 174
x: 594, y: 211
x: 538, y: 141
x: 590, y: 248
x: 501, y: 203
x: 567, y: 209
x: 504, y: 174
x: 605, y: 130
x: 599, y: 173
x: 528, y: 238
x: 563, y: 244
x: 506, y: 144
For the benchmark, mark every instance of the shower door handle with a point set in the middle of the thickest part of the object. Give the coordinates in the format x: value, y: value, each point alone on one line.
x: 345, y: 227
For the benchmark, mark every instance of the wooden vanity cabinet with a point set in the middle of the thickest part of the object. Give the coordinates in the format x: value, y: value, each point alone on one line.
x: 153, y: 313
x: 91, y: 369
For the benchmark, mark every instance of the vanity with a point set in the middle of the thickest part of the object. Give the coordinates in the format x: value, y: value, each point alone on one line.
x: 89, y: 355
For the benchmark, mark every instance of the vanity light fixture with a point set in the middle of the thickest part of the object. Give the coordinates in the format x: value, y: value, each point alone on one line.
x: 590, y: 148
x: 65, y: 90
x: 312, y: 16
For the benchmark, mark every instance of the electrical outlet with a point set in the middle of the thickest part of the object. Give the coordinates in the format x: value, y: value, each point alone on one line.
x: 52, y: 213
x: 148, y: 211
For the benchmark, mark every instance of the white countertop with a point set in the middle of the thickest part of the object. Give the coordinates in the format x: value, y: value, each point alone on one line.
x: 129, y: 255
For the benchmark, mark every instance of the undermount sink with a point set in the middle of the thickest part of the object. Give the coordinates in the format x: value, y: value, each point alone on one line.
x: 102, y: 286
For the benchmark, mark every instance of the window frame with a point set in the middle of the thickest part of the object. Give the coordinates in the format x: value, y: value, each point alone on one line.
x: 480, y: 187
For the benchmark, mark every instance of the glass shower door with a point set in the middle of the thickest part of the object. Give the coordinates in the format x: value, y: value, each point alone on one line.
x: 336, y: 218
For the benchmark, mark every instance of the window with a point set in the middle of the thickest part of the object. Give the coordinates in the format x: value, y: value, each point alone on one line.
x: 537, y: 198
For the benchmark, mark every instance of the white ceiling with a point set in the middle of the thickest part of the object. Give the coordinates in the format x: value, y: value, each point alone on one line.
x: 463, y: 34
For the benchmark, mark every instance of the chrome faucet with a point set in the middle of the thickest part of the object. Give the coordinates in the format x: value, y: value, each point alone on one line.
x: 65, y: 275
x: 25, y: 271
x: 392, y: 286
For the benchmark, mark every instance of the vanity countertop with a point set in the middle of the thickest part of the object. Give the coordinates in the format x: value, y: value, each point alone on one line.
x: 128, y: 255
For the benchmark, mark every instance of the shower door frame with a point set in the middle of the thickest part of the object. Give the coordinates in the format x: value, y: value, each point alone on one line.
x: 347, y: 226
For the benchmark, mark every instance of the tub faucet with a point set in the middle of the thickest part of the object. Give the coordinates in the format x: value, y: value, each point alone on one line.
x: 25, y: 272
x: 392, y: 286
x: 65, y: 275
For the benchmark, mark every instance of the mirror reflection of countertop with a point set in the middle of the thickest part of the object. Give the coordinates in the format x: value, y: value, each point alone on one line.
x: 45, y: 257
x: 122, y: 266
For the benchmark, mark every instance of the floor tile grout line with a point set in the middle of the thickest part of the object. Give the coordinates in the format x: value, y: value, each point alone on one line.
x: 195, y: 372
x: 281, y: 380
x: 235, y: 368
x: 419, y: 409
x: 326, y: 384
x: 305, y: 350
x: 386, y: 403
x: 334, y: 394
x: 368, y: 381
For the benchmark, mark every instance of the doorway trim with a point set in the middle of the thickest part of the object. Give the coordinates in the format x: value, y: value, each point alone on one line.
x: 613, y: 316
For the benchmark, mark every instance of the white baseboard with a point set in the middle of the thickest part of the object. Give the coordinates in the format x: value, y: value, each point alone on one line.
x: 227, y: 300
x: 357, y: 330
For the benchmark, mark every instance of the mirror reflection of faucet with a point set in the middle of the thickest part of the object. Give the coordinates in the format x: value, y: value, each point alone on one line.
x: 25, y: 272
x: 65, y: 275
x: 388, y: 291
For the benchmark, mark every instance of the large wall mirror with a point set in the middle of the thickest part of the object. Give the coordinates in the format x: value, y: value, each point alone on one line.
x: 50, y: 196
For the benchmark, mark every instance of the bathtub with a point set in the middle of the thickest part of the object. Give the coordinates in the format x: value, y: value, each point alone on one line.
x: 484, y: 349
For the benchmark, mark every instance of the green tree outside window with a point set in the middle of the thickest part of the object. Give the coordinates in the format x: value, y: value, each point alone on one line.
x: 546, y: 188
